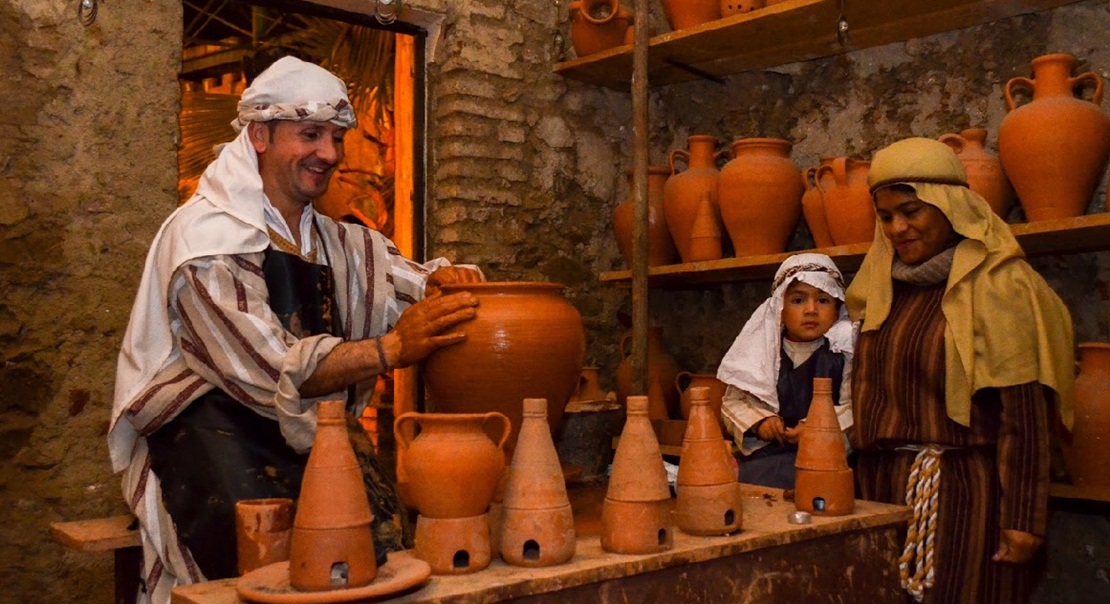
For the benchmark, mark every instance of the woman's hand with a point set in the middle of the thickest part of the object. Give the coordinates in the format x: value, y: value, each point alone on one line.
x: 1016, y: 547
x: 770, y: 429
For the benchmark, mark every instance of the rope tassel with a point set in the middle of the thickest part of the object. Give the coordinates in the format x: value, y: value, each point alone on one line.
x: 915, y: 566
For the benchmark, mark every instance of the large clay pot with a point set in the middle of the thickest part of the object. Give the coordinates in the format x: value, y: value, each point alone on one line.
x: 849, y: 210
x: 709, y: 497
x: 688, y: 13
x: 813, y: 207
x: 597, y: 25
x: 1084, y: 448
x: 984, y: 170
x: 451, y: 469
x: 683, y: 190
x: 1055, y: 148
x: 526, y: 341
x: 823, y: 481
x: 636, y: 514
x: 685, y: 382
x: 661, y: 374
x: 660, y: 246
x: 332, y: 524
x: 760, y: 195
x: 538, y: 525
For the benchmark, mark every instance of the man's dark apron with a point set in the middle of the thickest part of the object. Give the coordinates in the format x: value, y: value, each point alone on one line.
x: 218, y: 451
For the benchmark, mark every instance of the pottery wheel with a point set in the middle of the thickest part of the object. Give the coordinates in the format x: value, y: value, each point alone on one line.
x: 270, y: 584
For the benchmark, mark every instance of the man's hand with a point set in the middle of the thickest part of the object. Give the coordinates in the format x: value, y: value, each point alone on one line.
x: 770, y: 429
x: 424, y: 327
x: 448, y: 275
x: 1016, y: 547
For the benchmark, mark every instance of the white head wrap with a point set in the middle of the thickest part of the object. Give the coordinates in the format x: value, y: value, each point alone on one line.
x: 225, y: 216
x: 292, y: 89
x: 752, y: 363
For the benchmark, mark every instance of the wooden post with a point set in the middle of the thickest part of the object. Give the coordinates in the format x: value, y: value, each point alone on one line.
x: 640, y: 150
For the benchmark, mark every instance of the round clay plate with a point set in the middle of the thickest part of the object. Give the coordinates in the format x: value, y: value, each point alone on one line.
x: 270, y: 584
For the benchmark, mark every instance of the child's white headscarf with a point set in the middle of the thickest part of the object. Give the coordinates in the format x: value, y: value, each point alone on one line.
x: 752, y: 363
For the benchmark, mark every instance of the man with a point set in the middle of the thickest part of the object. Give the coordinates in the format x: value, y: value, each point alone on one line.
x: 252, y: 308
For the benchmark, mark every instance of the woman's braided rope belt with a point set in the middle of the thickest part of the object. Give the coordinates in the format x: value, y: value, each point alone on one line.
x: 916, y: 566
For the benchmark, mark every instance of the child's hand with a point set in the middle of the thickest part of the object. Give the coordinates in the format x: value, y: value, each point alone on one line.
x: 770, y: 429
x: 793, y: 435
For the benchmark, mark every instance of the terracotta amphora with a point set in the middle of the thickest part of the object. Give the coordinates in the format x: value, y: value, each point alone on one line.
x: 526, y: 341
x: 760, y: 195
x: 662, y: 371
x: 262, y: 531
x: 688, y: 13
x: 683, y: 190
x: 661, y: 248
x: 709, y: 497
x: 1055, y: 148
x: 537, y: 523
x: 332, y: 546
x: 636, y: 513
x: 685, y: 382
x: 451, y: 468
x: 705, y: 234
x: 597, y: 25
x: 813, y: 207
x: 849, y: 210
x: 984, y: 170
x: 735, y: 7
x: 1084, y: 448
x: 823, y: 482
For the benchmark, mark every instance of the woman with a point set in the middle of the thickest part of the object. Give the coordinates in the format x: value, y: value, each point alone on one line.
x: 962, y: 351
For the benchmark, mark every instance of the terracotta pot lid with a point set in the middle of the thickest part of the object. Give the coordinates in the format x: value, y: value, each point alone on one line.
x: 270, y: 584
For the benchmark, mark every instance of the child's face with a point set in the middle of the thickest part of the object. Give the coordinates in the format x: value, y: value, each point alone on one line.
x: 807, y: 312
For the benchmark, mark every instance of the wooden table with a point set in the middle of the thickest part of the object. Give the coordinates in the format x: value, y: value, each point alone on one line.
x: 841, y: 559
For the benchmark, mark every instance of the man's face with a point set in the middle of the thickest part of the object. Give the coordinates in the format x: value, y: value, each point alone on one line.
x: 297, y: 159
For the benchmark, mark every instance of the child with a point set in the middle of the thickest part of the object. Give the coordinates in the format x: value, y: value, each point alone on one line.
x: 801, y: 332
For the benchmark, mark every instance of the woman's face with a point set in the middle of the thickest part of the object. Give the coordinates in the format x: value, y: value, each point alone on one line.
x: 918, y: 231
x: 807, y: 312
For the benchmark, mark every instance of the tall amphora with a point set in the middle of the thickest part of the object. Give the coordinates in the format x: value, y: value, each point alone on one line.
x: 984, y: 170
x: 683, y: 191
x: 760, y: 194
x: 1084, y: 448
x: 849, y: 212
x: 660, y: 246
x: 1055, y: 148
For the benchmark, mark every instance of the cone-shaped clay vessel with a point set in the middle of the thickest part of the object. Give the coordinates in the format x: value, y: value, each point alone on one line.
x: 537, y: 523
x: 823, y: 481
x: 709, y: 499
x: 705, y: 234
x: 332, y: 546
x: 636, y: 513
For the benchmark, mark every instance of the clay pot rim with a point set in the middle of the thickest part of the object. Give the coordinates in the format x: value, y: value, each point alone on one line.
x: 762, y: 142
x: 697, y: 138
x: 1094, y: 346
x: 1054, y: 57
x: 493, y: 286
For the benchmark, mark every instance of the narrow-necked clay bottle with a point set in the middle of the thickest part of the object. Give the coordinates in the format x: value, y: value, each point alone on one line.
x: 684, y: 384
x: 823, y: 481
x: 984, y: 170
x: 813, y: 207
x: 849, y: 211
x: 537, y: 523
x: 709, y: 498
x: 683, y: 190
x: 332, y: 546
x: 636, y: 513
x: 660, y: 246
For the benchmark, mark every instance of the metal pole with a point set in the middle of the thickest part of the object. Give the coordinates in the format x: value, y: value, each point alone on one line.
x: 640, y: 146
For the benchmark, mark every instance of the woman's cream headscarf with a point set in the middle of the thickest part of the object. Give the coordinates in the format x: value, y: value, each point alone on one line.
x: 1004, y: 324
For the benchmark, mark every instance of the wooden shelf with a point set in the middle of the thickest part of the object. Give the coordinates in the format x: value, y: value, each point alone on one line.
x: 1068, y: 491
x: 795, y: 30
x: 1090, y: 233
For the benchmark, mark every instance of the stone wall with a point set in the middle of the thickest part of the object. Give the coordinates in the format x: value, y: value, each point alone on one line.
x: 525, y: 168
